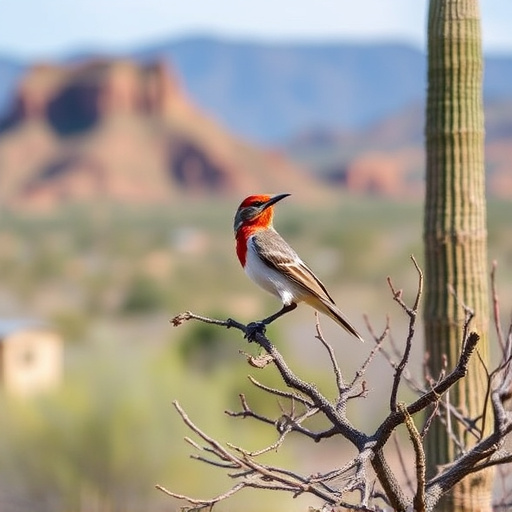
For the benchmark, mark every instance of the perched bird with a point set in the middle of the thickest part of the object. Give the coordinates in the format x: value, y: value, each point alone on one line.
x: 272, y: 264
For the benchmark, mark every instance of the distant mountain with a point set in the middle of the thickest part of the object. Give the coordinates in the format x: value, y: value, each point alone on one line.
x: 388, y: 157
x: 271, y: 92
x: 115, y: 130
x: 10, y: 72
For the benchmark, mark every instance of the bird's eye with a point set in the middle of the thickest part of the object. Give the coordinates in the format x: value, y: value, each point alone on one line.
x: 257, y: 203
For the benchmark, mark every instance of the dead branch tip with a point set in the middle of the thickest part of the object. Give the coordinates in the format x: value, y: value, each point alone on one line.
x: 179, y: 319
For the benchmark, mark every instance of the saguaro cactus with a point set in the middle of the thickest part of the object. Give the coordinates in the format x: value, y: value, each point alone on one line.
x: 455, y: 233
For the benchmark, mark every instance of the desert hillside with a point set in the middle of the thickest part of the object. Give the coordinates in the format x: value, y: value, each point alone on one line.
x: 120, y: 131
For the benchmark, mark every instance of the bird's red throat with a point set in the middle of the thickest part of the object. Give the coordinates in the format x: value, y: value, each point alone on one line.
x: 248, y: 228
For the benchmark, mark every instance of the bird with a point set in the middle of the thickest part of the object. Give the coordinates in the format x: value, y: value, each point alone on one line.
x: 271, y: 263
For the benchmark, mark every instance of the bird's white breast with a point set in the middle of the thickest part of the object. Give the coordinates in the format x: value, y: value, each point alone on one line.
x: 268, y: 278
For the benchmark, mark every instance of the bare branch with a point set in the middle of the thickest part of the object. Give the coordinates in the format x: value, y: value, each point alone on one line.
x: 285, y: 424
x: 412, y: 313
x: 332, y: 356
x: 496, y: 308
x: 353, y: 477
x: 255, y: 475
x: 188, y: 315
x: 247, y: 412
x: 284, y: 394
x: 430, y: 418
x: 395, y: 418
x: 379, y: 340
x: 201, y: 504
x: 401, y: 460
x: 419, y: 497
x: 469, y: 314
x: 389, y: 481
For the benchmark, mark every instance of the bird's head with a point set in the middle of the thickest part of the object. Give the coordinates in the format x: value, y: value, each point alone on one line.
x: 256, y: 210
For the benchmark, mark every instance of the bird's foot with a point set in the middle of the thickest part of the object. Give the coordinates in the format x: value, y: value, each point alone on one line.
x: 253, y: 329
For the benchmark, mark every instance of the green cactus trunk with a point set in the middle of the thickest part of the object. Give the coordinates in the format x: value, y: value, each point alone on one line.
x: 455, y: 234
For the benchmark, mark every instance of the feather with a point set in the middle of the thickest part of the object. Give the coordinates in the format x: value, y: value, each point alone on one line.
x: 277, y: 254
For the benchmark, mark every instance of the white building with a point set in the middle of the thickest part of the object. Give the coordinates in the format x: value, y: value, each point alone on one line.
x: 31, y: 357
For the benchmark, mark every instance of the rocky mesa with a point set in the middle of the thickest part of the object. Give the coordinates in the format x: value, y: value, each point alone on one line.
x: 116, y: 130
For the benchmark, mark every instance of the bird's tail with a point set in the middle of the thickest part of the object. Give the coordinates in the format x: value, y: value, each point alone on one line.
x: 333, y: 312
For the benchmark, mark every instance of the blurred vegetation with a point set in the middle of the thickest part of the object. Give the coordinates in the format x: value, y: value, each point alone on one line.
x: 110, y: 278
x: 142, y: 295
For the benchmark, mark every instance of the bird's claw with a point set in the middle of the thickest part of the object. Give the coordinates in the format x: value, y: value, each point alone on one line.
x: 253, y: 329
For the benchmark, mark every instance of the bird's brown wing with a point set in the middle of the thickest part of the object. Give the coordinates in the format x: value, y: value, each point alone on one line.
x: 276, y: 253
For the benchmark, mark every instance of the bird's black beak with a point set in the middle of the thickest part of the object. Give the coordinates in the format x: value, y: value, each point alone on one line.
x: 274, y: 200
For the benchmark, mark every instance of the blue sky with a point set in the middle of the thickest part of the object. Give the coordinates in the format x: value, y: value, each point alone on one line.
x: 47, y: 28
